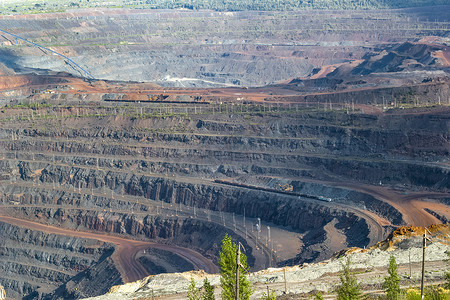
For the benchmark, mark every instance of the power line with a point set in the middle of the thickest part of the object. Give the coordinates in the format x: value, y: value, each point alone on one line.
x: 88, y: 75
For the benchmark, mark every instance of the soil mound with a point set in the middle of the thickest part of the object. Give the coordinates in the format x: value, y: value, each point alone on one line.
x: 406, y: 56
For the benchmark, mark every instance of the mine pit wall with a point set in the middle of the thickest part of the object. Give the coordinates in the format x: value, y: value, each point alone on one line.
x: 199, y: 235
x: 348, y: 197
x: 391, y: 149
x: 92, y: 282
x: 422, y: 94
x: 34, y: 263
x: 268, y: 206
x: 282, y: 210
x: 34, y: 163
x: 390, y: 173
x: 371, y: 170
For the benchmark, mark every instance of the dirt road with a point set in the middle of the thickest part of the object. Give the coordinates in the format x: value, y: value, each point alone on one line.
x: 410, y: 204
x: 126, y: 251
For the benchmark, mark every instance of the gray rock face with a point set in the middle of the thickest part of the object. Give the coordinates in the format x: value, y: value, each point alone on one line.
x: 159, y: 178
x: 35, y: 263
x: 205, y: 48
x: 96, y: 280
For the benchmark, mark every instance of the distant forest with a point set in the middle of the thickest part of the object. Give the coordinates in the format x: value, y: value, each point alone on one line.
x: 27, y: 6
x: 268, y: 5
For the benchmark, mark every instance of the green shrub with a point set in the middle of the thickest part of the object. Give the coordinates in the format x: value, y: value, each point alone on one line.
x: 349, y: 288
x: 228, y: 271
x: 392, y: 282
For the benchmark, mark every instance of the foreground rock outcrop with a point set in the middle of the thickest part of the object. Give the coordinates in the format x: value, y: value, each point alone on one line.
x: 405, y: 244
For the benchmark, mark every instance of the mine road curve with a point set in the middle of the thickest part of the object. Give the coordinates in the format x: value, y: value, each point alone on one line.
x: 240, y: 229
x: 411, y: 204
x: 126, y: 251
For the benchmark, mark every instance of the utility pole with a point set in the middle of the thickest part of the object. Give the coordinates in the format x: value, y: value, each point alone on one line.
x: 238, y: 265
x: 237, y: 270
x: 410, y: 270
x: 423, y: 261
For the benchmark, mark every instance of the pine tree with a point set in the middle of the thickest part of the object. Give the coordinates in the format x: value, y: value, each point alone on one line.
x: 318, y: 296
x: 228, y: 267
x: 392, y: 282
x: 208, y: 293
x: 447, y: 275
x: 269, y: 295
x: 193, y: 292
x: 349, y: 288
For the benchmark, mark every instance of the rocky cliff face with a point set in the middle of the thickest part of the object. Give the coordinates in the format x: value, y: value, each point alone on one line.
x: 242, y: 48
x: 95, y: 280
x: 35, y: 263
x: 153, y: 177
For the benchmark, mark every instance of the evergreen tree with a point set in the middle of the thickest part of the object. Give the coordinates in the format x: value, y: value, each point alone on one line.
x: 392, y: 282
x: 447, y: 274
x: 349, y: 288
x: 208, y: 293
x: 269, y: 295
x: 193, y: 292
x: 318, y: 296
x: 228, y: 268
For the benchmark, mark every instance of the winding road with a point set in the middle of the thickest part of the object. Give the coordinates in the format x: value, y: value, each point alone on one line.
x: 410, y: 204
x: 126, y: 249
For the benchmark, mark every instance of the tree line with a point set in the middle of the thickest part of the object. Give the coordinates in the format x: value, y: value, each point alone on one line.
x: 280, y: 5
x: 218, y: 5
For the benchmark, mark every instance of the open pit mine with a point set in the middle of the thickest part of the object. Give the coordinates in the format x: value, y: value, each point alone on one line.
x: 296, y: 144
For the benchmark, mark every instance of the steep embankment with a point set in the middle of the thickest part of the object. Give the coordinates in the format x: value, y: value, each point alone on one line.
x: 34, y: 262
x: 150, y: 174
x: 241, y: 48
